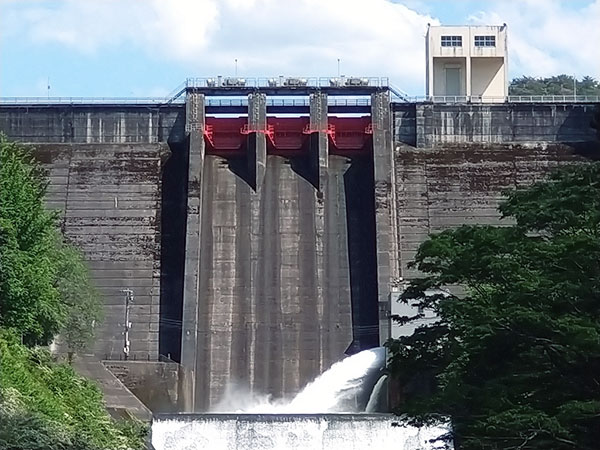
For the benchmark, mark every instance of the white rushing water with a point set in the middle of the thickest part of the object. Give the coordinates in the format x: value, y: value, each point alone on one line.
x: 287, y: 432
x: 336, y: 390
x: 321, y: 417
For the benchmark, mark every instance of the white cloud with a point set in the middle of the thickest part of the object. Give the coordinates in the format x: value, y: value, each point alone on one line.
x: 306, y: 37
x: 548, y: 37
x: 268, y: 37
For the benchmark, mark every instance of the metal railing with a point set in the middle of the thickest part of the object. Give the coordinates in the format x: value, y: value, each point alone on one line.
x: 289, y: 82
x: 300, y: 101
x: 509, y: 99
x: 554, y: 98
x: 86, y: 100
x: 331, y: 101
x: 225, y: 102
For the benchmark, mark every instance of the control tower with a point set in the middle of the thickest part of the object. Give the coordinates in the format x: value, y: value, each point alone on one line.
x: 466, y: 63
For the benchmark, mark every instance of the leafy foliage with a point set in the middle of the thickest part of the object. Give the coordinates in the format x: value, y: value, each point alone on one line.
x: 45, y: 289
x: 79, y: 296
x: 46, y: 406
x: 44, y: 284
x: 515, y: 362
x: 556, y: 85
x: 29, y: 299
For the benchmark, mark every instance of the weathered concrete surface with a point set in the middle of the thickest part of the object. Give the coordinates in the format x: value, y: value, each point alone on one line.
x: 118, y: 400
x: 431, y: 124
x: 451, y: 185
x: 257, y: 141
x: 319, y: 142
x: 194, y: 201
x: 274, y: 287
x: 89, y: 123
x: 109, y: 198
x: 383, y: 168
x: 156, y: 383
x: 496, y: 123
x: 104, y: 166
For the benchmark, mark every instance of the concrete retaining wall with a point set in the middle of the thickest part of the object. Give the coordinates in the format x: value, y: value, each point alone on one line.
x: 156, y: 384
x: 451, y: 185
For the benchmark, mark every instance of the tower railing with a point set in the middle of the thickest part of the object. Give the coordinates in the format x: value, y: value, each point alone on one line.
x: 502, y: 99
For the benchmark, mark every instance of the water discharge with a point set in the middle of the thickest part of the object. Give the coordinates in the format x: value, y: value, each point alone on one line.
x: 344, y: 388
x: 328, y: 414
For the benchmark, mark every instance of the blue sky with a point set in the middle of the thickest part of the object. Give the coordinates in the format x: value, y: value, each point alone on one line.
x: 148, y: 47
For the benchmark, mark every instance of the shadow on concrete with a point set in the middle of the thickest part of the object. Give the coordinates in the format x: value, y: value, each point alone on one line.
x: 173, y: 223
x: 359, y: 186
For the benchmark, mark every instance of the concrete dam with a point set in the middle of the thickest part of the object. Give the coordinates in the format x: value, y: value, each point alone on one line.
x: 261, y: 238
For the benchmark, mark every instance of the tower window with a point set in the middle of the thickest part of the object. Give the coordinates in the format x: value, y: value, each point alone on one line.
x: 485, y: 41
x: 451, y: 41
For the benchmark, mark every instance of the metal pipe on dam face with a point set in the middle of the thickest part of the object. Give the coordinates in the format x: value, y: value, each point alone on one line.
x: 281, y: 254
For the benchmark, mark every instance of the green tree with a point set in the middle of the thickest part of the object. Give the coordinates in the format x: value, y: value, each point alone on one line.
x: 514, y: 363
x: 45, y: 287
x: 47, y: 406
x: 80, y: 297
x: 556, y: 85
x: 30, y: 301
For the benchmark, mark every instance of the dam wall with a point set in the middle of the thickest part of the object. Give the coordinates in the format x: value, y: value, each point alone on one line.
x: 104, y: 167
x: 262, y: 267
x: 450, y: 185
x: 453, y: 161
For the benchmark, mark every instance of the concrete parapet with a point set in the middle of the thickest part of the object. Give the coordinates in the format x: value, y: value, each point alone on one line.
x: 88, y: 123
x: 439, y: 124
